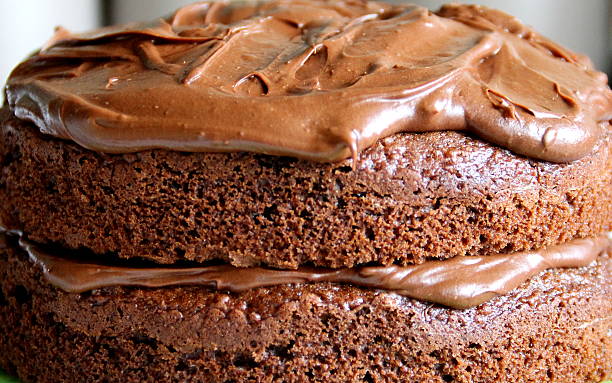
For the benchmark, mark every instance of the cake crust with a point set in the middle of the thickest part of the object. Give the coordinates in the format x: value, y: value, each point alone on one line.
x: 411, y: 197
x: 554, y: 328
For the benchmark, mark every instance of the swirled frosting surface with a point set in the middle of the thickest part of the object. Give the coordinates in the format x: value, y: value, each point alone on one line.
x: 318, y: 80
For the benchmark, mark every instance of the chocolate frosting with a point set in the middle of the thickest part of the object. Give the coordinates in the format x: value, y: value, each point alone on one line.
x: 319, y: 80
x: 459, y: 282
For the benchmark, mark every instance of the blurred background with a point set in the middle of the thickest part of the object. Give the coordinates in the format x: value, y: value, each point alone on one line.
x: 584, y: 26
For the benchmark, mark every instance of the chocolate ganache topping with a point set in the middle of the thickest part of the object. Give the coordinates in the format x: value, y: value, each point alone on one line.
x: 319, y: 80
x: 459, y: 282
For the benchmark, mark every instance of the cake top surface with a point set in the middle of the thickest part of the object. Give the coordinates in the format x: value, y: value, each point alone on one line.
x: 312, y: 79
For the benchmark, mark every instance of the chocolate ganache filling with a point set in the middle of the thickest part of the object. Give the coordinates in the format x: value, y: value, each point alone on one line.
x: 319, y: 80
x: 460, y: 282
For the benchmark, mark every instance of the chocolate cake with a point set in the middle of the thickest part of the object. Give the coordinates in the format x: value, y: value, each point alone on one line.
x: 303, y: 191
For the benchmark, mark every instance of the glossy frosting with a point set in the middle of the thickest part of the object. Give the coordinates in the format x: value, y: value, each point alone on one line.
x: 459, y: 282
x: 313, y: 79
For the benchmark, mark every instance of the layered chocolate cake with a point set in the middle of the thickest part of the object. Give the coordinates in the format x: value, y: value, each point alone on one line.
x: 306, y: 191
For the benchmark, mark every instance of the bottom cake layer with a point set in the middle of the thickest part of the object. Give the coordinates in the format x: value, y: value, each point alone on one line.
x: 554, y: 328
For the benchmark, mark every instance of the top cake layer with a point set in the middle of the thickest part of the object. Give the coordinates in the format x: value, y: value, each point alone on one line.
x: 312, y: 79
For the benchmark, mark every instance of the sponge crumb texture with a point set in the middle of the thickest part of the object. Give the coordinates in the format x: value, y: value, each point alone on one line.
x: 412, y: 197
x: 554, y: 328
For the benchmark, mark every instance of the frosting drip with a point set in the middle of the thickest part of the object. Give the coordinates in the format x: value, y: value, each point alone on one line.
x: 313, y: 79
x: 459, y: 282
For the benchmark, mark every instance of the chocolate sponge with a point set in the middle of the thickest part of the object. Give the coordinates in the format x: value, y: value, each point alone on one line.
x: 553, y: 328
x: 413, y: 197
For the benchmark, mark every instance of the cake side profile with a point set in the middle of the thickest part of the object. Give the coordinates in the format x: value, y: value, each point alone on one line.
x: 306, y: 191
x: 412, y: 198
x: 166, y: 85
x: 553, y: 328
